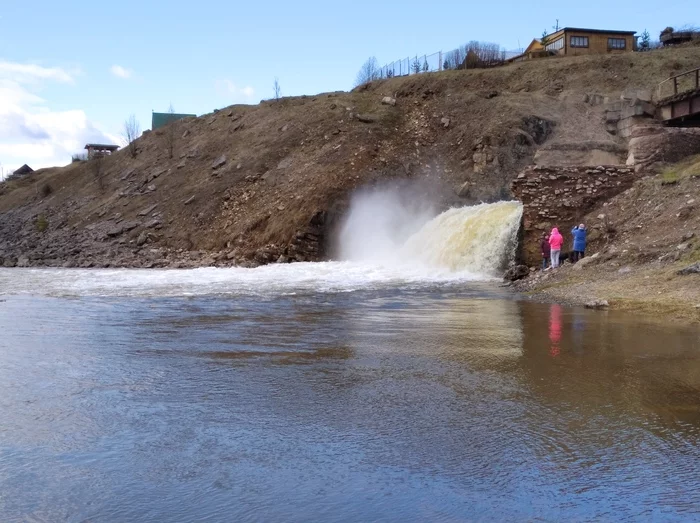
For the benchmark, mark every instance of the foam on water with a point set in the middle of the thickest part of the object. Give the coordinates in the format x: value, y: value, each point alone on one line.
x: 460, y: 245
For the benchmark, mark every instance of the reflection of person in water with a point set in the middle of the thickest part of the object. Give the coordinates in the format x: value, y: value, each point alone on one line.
x: 578, y: 325
x: 554, y: 329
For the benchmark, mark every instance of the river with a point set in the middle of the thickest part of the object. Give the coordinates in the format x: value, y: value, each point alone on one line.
x: 334, y: 392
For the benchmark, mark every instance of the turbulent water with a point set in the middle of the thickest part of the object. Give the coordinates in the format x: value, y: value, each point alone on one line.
x: 406, y: 387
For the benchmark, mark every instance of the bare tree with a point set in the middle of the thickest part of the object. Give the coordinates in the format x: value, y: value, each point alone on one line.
x: 368, y: 72
x: 132, y: 130
x: 170, y: 131
x: 277, y: 89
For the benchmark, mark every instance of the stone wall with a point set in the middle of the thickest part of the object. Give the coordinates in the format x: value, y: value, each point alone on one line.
x: 561, y: 197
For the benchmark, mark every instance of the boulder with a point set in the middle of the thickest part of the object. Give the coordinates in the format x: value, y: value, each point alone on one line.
x: 579, y: 265
x: 220, y: 161
x: 388, y: 100
x: 690, y: 269
x: 517, y: 272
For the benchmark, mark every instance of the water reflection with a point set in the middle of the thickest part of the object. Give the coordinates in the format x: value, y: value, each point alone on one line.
x: 397, y: 406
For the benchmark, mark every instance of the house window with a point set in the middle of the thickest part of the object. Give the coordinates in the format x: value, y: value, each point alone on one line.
x: 556, y: 45
x: 579, y: 41
x: 616, y: 43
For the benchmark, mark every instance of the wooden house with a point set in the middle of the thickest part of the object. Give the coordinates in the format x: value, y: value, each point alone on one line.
x: 572, y: 41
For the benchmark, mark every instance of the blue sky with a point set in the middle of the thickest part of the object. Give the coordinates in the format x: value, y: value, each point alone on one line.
x: 71, y: 73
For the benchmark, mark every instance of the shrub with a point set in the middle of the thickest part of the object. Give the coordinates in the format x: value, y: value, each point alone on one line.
x: 45, y: 190
x: 41, y: 223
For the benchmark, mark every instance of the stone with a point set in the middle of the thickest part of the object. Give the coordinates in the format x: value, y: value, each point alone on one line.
x: 690, y: 269
x: 365, y: 118
x: 220, y: 161
x: 388, y: 100
x: 181, y: 164
x: 688, y: 236
x: 445, y: 122
x: 582, y: 263
x: 148, y: 210
x: 465, y: 190
x: 516, y: 273
x: 23, y: 261
x: 682, y: 246
x: 153, y: 223
x: 142, y: 239
x: 189, y: 200
x: 624, y: 270
x: 597, y: 304
x: 186, y: 133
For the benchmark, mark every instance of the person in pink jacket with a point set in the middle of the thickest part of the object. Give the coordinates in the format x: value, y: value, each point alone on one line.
x: 556, y: 240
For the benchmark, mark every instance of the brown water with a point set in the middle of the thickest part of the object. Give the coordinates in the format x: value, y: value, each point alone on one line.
x: 437, y: 404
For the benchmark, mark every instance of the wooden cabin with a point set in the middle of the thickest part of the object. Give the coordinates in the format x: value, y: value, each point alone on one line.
x: 572, y: 41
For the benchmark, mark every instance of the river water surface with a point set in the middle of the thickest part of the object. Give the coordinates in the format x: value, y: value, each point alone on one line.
x: 335, y: 393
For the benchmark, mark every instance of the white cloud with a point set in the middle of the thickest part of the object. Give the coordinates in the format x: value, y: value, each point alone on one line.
x: 120, y: 72
x: 30, y: 132
x: 26, y: 73
x: 231, y: 90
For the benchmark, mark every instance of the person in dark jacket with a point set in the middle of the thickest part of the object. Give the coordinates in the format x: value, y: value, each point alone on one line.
x: 579, y: 234
x: 546, y: 250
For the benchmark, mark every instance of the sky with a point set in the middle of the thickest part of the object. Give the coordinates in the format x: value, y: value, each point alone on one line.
x: 72, y: 71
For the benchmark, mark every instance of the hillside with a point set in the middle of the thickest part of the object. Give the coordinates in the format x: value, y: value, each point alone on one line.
x: 259, y: 184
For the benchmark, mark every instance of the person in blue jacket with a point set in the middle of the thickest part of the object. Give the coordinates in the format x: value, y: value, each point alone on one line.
x: 579, y: 234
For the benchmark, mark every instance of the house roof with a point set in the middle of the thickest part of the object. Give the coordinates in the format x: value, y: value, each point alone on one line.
x: 597, y: 31
x: 108, y: 147
x: 25, y: 169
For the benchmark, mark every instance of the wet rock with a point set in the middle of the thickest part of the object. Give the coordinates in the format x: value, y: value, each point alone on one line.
x: 516, y: 273
x: 690, y: 269
x: 597, y: 304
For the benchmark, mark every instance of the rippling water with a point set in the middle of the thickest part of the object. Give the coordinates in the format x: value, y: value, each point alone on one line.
x: 124, y: 399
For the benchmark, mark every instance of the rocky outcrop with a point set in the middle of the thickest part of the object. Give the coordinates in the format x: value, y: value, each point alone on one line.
x: 561, y: 197
x: 654, y: 144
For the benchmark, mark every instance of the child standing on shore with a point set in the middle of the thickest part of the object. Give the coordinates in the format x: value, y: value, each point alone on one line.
x: 555, y: 242
x: 546, y: 250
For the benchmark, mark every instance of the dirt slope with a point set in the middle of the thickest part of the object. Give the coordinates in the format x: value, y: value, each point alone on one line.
x: 257, y: 184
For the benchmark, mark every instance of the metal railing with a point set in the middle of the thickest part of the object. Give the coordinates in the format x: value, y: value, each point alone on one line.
x: 686, y: 82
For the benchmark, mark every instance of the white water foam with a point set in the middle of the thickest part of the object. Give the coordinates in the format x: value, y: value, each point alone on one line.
x: 460, y: 245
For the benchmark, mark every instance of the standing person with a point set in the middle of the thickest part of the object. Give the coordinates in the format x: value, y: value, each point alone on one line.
x: 555, y: 242
x: 579, y: 234
x: 545, y: 249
